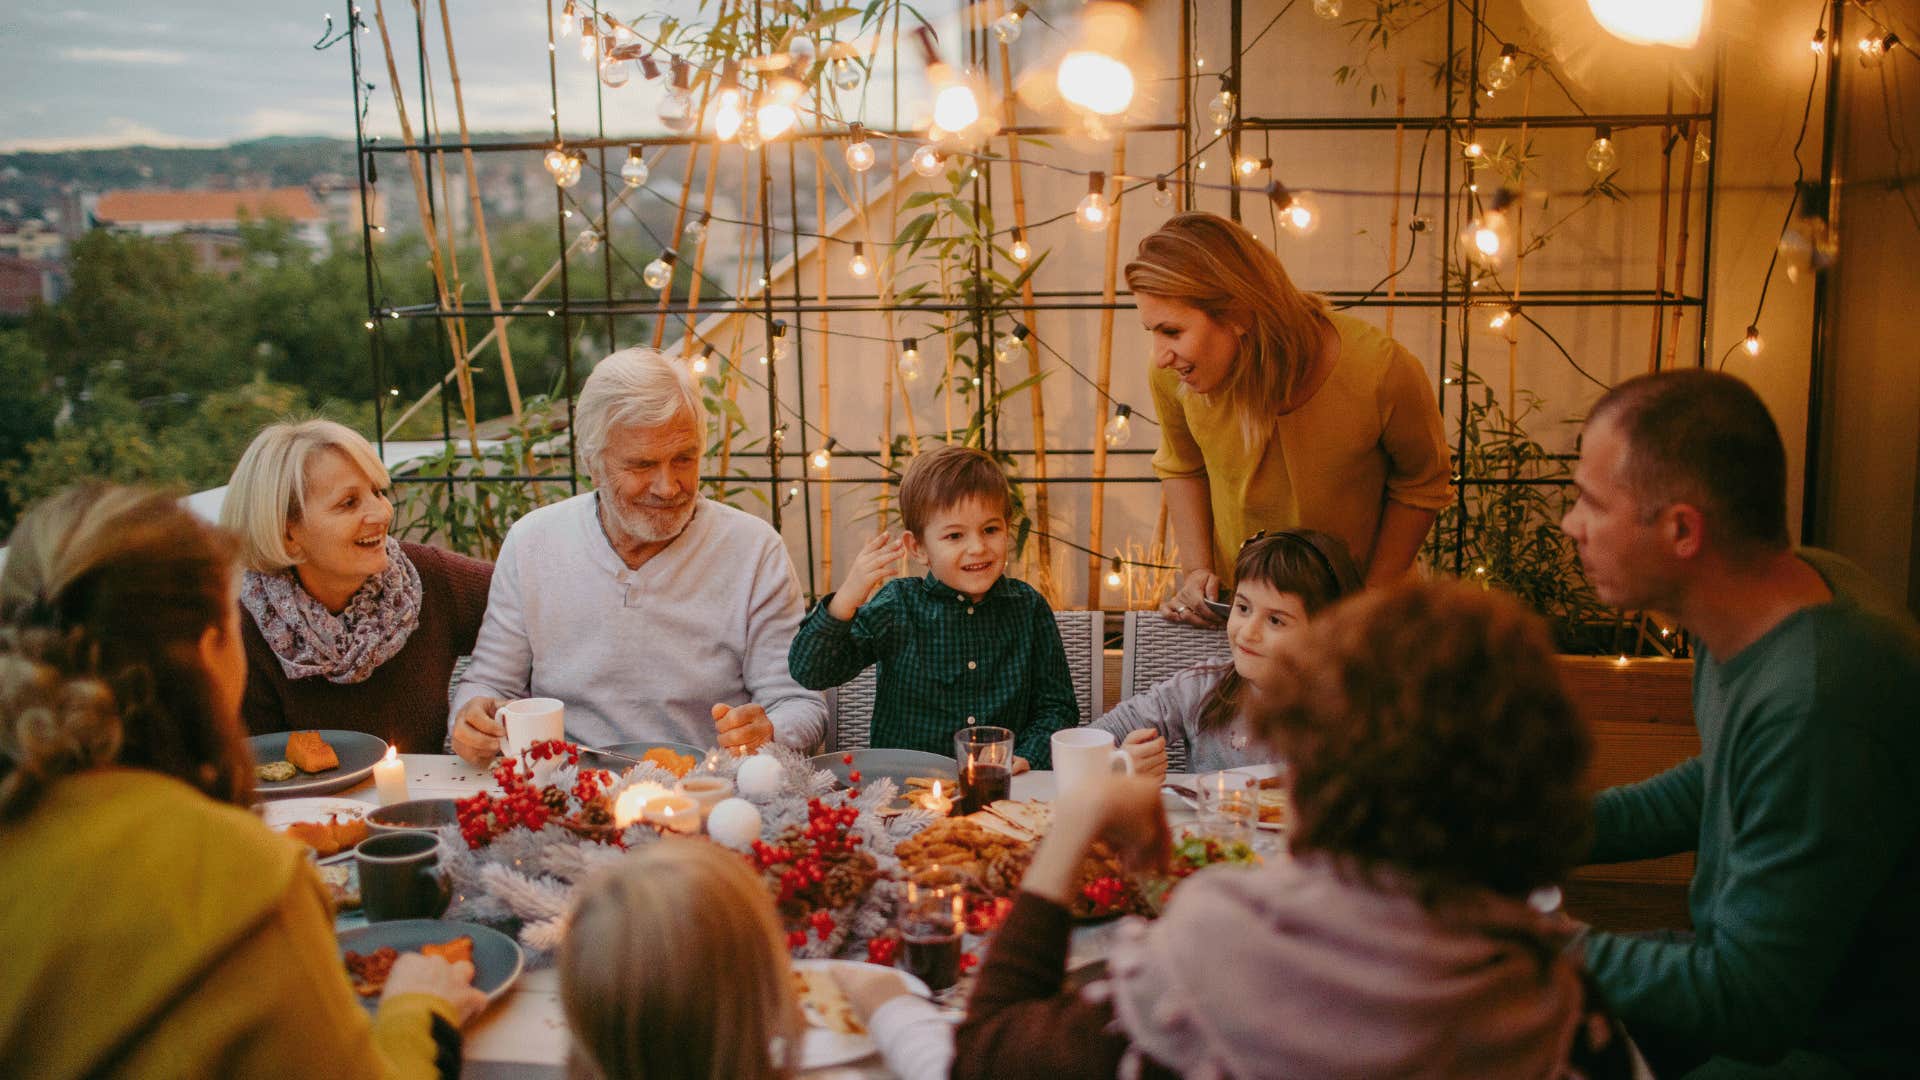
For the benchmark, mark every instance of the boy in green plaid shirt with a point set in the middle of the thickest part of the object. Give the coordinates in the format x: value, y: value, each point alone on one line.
x: 961, y: 647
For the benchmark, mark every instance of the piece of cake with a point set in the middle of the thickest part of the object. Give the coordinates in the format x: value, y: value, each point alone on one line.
x: 310, y: 753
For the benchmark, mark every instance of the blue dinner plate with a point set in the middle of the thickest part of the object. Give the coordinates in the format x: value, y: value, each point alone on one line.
x: 497, y: 959
x: 895, y: 765
x: 358, y: 753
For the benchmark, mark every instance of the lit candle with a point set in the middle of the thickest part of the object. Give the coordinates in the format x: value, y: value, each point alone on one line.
x: 937, y: 801
x: 706, y: 790
x: 675, y: 813
x: 390, y: 778
x: 632, y: 803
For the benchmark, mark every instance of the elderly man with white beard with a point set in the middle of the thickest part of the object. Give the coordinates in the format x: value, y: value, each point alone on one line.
x: 650, y: 610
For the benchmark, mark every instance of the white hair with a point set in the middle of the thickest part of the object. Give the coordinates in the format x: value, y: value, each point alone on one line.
x: 639, y: 387
x: 268, y: 491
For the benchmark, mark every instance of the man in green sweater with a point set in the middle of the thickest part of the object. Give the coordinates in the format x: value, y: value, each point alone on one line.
x: 1804, y: 804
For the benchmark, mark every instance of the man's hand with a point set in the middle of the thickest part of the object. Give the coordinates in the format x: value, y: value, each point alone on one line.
x: 452, y: 981
x: 1188, y: 603
x: 869, y: 986
x: 1148, y: 751
x: 476, y: 734
x: 742, y: 729
x: 871, y: 569
x: 1020, y: 765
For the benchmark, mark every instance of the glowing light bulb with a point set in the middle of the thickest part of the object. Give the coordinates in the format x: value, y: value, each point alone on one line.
x: 1096, y: 82
x: 1502, y: 72
x: 589, y: 41
x: 1752, y: 341
x: 1473, y: 150
x: 1819, y: 42
x: 1012, y: 342
x: 846, y: 73
x: 1300, y: 213
x: 955, y: 108
x: 859, y: 151
x: 822, y: 458
x: 556, y: 161
x: 858, y: 266
x: 589, y: 241
x: 909, y: 363
x: 1119, y: 430
x: 1500, y: 318
x: 614, y: 74
x: 703, y: 361
x: 1248, y: 165
x: 1702, y: 148
x: 776, y: 114
x: 748, y: 134
x: 570, y: 174
x: 676, y: 107
x: 1162, y: 194
x: 1671, y: 22
x: 1019, y: 249
x: 1113, y: 573
x: 1488, y: 239
x: 1327, y: 9
x: 1007, y: 27
x: 659, y: 271
x: 779, y: 342
x: 1094, y: 211
x: 634, y: 170
x: 1220, y: 109
x: 1601, y: 156
x: 926, y: 161
x: 728, y: 113
x: 801, y: 53
x: 567, y: 19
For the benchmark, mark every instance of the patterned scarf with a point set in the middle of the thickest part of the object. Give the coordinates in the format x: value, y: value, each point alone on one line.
x: 346, y: 648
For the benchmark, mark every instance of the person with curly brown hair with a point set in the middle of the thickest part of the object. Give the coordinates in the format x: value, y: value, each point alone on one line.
x: 1437, y: 765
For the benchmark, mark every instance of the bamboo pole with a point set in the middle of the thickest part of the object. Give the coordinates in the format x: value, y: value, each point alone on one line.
x: 464, y: 374
x: 680, y: 209
x: 1034, y: 395
x: 480, y: 220
x: 1103, y: 378
x: 1393, y: 224
x: 825, y: 360
x: 732, y: 381
x: 1680, y: 258
x: 696, y: 279
x: 1660, y: 251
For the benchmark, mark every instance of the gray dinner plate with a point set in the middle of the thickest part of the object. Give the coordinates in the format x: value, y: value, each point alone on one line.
x: 895, y: 765
x: 639, y: 747
x: 358, y: 753
x: 497, y: 958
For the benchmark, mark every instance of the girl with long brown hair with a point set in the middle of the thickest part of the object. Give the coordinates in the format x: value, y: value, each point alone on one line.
x: 1277, y: 412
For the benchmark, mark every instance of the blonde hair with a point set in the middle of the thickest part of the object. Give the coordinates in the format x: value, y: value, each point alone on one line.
x: 675, y: 966
x: 633, y: 386
x: 268, y: 491
x: 106, y: 594
x: 1211, y: 263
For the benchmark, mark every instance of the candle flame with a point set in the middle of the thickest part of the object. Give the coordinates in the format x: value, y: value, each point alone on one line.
x: 627, y: 807
x: 392, y: 752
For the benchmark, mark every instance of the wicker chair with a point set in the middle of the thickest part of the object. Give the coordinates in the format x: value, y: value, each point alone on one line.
x: 1154, y: 649
x: 850, y: 707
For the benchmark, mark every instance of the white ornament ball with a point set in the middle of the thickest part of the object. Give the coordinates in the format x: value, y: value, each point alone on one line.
x: 735, y: 823
x: 760, y: 778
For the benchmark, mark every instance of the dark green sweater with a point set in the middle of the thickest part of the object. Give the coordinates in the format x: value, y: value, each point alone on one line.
x: 1803, y: 807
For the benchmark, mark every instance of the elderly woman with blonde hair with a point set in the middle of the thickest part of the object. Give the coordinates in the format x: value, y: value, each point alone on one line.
x: 347, y: 627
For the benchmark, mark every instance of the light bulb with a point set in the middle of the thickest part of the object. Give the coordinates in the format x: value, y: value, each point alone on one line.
x: 1501, y: 317
x: 1488, y: 239
x: 822, y: 458
x: 846, y: 74
x: 955, y: 108
x: 1094, y: 211
x: 926, y: 161
x: 1601, y: 157
x: 775, y: 119
x: 1010, y: 343
x: 1300, y: 214
x: 801, y: 53
x: 779, y: 342
x: 1873, y: 48
x: 748, y: 133
x: 1473, y: 150
x: 1162, y: 194
x: 1752, y: 341
x: 676, y: 107
x: 1670, y: 22
x: 567, y: 19
x: 589, y: 41
x: 858, y: 266
x: 1019, y: 249
x: 859, y: 151
x: 1006, y: 28
x: 909, y: 363
x: 614, y: 74
x: 1220, y: 109
x: 659, y: 271
x: 1702, y: 148
x: 1096, y: 82
x: 701, y: 362
x: 1119, y: 430
x: 1113, y: 573
x: 728, y: 113
x: 570, y: 174
x: 1502, y: 72
x: 556, y: 161
x: 698, y: 228
x: 1248, y: 165
x: 1327, y: 9
x: 589, y: 241
x: 634, y: 171
x: 1819, y: 42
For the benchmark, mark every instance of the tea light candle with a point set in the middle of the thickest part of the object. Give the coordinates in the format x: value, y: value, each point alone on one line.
x: 390, y: 778
x: 675, y: 813
x: 632, y: 802
x: 937, y: 801
x: 708, y: 791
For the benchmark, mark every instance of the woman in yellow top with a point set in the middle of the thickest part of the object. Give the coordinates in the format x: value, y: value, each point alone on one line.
x: 1276, y: 412
x: 150, y: 924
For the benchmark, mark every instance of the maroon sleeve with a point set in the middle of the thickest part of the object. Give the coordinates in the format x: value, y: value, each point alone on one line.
x: 1019, y: 1023
x: 261, y: 707
x: 467, y: 581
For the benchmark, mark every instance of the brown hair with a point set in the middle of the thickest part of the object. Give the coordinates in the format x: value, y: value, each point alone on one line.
x: 1705, y: 438
x: 1208, y: 262
x: 1315, y: 566
x: 675, y: 966
x: 1430, y: 736
x: 103, y: 602
x: 946, y: 476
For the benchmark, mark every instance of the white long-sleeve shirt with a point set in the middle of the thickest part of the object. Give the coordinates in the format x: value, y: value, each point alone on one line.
x: 647, y: 653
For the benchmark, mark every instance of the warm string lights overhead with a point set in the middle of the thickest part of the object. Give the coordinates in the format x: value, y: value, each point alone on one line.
x: 1094, y: 210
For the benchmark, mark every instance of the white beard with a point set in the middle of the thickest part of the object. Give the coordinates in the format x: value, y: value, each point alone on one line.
x: 642, y: 525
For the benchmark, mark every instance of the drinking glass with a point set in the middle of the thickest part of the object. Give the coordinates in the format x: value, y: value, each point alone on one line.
x: 985, y: 758
x: 930, y: 927
x: 1229, y: 802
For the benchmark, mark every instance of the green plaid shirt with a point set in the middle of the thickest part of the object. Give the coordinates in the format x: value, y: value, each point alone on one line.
x: 946, y: 663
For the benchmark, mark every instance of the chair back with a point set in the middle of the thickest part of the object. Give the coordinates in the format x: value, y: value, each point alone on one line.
x: 1154, y: 649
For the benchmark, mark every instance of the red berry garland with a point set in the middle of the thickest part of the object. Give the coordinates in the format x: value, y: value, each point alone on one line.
x: 816, y: 869
x: 519, y: 804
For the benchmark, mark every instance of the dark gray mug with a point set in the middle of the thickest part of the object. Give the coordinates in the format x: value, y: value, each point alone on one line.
x: 400, y: 877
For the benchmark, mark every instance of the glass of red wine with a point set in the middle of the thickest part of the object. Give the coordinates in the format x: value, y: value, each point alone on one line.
x: 985, y: 757
x: 930, y: 927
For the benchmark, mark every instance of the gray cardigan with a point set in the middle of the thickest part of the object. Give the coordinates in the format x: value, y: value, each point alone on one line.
x: 1172, y: 708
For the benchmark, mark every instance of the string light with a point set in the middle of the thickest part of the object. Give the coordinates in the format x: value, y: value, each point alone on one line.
x: 660, y: 270
x: 748, y: 133
x: 1752, y: 341
x: 1007, y: 27
x: 567, y: 17
x: 556, y: 160
x: 957, y: 108
x: 1502, y: 317
x: 1094, y: 211
x: 1502, y: 72
x: 845, y: 71
x: 779, y: 342
x: 909, y: 363
x: 1873, y: 48
x: 570, y: 175
x: 1013, y: 341
x: 1299, y: 212
x: 1702, y: 147
x: 700, y: 225
x: 728, y: 113
x: 614, y: 73
x: 1220, y: 106
x: 823, y: 457
x: 589, y: 241
x: 1248, y: 165
x: 1809, y: 243
x: 1671, y: 22
x: 1119, y: 430
x: 858, y: 266
x: 1019, y: 250
x: 701, y: 362
x: 1327, y: 9
x: 1473, y: 150
x: 1113, y: 573
x: 634, y: 171
x: 1601, y: 156
x: 776, y: 115
x: 1489, y: 237
x: 1092, y: 75
x: 589, y: 42
x: 1819, y: 42
x: 1162, y: 194
x: 801, y: 53
x: 676, y: 107
x: 927, y: 161
x: 859, y: 151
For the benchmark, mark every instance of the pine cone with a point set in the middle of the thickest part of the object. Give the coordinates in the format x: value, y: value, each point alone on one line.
x: 555, y: 800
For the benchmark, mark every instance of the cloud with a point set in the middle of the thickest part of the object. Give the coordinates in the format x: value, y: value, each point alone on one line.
x: 118, y: 131
x: 302, y: 118
x: 93, y: 54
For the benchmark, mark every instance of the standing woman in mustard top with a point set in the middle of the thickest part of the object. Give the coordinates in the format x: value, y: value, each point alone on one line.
x: 1276, y: 412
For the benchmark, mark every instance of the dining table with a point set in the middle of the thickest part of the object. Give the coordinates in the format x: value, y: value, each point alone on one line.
x: 523, y: 1035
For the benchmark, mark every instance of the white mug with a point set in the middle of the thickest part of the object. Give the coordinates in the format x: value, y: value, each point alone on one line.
x: 531, y: 720
x: 1079, y: 754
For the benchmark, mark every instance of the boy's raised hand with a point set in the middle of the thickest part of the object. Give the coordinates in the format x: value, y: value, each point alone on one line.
x: 871, y: 569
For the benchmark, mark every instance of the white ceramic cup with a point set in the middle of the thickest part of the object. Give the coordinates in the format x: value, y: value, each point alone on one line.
x: 531, y: 720
x: 1079, y: 754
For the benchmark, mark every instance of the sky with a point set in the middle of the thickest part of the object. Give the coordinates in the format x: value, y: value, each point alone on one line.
x: 208, y: 72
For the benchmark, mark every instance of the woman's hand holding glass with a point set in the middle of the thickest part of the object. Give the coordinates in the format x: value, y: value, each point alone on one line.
x: 1188, y: 604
